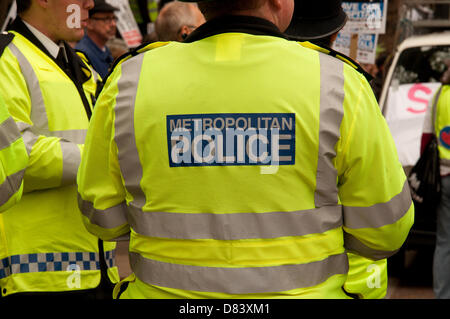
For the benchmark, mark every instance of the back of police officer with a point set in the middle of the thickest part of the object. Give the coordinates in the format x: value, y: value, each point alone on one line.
x: 241, y: 164
x: 45, y: 249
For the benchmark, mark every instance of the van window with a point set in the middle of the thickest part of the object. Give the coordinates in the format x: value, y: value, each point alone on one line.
x: 421, y: 65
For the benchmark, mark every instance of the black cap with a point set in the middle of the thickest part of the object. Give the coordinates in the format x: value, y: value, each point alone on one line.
x: 314, y: 19
x: 102, y: 6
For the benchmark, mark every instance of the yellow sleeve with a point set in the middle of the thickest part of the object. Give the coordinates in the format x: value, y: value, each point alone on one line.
x: 373, y: 189
x: 102, y: 196
x: 53, y: 161
x: 13, y: 160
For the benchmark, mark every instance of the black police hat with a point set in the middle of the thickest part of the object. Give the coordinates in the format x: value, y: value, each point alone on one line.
x: 314, y: 19
x: 102, y: 6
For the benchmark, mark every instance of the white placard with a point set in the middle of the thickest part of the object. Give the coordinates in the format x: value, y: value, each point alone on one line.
x: 365, y: 16
x: 367, y: 46
x: 405, y: 113
x: 11, y: 16
x: 126, y: 23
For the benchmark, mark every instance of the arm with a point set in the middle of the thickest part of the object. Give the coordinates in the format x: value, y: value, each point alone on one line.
x: 373, y: 189
x: 102, y: 196
x: 53, y: 161
x: 13, y: 160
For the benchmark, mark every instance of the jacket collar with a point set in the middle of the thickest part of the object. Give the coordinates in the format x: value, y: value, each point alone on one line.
x: 234, y: 23
x: 76, y: 63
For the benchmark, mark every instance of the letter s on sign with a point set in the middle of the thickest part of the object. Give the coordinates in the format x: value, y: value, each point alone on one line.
x: 412, y: 96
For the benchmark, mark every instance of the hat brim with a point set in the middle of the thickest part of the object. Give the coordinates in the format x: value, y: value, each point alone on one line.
x: 104, y: 7
x: 303, y: 29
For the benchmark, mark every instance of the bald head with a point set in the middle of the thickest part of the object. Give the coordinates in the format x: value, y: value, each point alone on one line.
x: 176, y: 20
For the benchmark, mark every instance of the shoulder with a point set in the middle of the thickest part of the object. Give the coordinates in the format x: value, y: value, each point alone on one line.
x: 349, y: 62
x: 136, y: 54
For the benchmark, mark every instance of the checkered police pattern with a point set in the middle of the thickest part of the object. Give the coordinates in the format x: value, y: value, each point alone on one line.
x: 53, y: 262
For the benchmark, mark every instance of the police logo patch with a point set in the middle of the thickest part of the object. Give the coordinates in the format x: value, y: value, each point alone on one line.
x: 231, y: 139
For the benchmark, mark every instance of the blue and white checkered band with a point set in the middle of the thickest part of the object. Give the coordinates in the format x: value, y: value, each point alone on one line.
x: 53, y: 262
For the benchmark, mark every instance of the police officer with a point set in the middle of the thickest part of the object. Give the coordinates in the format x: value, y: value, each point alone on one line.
x: 316, y: 25
x: 13, y: 160
x: 49, y: 90
x: 246, y: 167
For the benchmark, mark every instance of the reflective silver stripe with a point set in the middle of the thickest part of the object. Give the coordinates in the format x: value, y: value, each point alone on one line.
x: 381, y: 214
x: 71, y: 161
x: 351, y: 243
x: 74, y: 136
x: 444, y: 162
x: 331, y: 114
x: 9, y: 133
x: 235, y: 226
x: 237, y: 280
x: 29, y: 138
x: 125, y: 139
x: 109, y: 218
x: 38, y: 112
x: 10, y: 186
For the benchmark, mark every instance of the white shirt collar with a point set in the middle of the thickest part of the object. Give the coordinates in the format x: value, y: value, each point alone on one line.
x: 51, y: 46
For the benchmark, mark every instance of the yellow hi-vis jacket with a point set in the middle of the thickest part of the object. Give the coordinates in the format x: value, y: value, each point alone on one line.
x: 441, y: 125
x: 44, y: 245
x: 247, y: 167
x: 13, y: 160
x: 366, y: 278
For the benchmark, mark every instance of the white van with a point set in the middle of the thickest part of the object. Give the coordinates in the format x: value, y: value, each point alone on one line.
x: 412, y: 80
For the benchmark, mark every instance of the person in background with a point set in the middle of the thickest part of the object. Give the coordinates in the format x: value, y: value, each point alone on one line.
x: 319, y: 23
x: 118, y: 47
x: 100, y: 28
x: 177, y: 20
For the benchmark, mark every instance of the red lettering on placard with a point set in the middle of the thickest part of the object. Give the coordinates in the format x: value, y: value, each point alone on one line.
x: 412, y: 96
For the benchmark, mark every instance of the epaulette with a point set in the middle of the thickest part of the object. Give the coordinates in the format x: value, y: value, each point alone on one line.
x: 132, y: 53
x: 136, y: 51
x: 339, y: 56
x: 5, y: 40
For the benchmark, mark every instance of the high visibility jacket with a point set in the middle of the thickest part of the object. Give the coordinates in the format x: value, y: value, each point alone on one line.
x: 44, y: 245
x: 441, y: 117
x: 13, y: 160
x: 246, y: 167
x: 366, y: 278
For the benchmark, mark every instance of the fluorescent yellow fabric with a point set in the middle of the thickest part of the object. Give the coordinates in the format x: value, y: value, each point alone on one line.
x: 13, y: 160
x: 366, y: 278
x: 236, y: 73
x: 442, y: 123
x: 44, y: 231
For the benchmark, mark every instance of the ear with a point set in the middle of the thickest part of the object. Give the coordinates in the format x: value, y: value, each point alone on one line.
x: 276, y: 4
x: 43, y: 3
x: 184, y: 32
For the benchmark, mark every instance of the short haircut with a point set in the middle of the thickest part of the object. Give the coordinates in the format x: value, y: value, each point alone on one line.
x: 214, y: 8
x: 23, y: 6
x: 172, y: 17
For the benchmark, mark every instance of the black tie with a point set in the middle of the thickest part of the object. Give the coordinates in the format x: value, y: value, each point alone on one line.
x: 62, y: 61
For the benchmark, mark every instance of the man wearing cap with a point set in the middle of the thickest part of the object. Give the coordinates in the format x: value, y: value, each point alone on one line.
x: 319, y: 24
x: 45, y: 249
x: 241, y: 164
x: 100, y: 28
